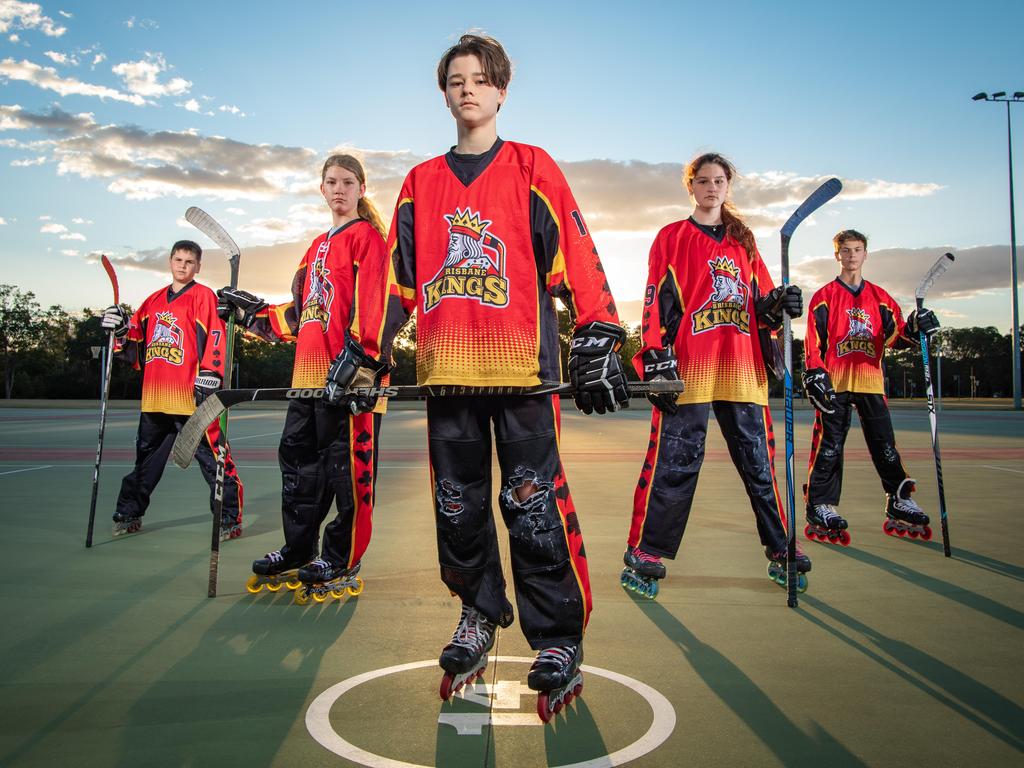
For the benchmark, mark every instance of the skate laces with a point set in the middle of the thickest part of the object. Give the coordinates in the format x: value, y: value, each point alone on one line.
x: 643, y: 557
x: 559, y: 655
x: 320, y: 564
x: 474, y: 630
x: 826, y: 512
x: 907, y: 505
x: 275, y: 557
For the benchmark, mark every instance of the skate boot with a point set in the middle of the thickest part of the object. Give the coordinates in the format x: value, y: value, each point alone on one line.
x: 826, y: 525
x: 126, y: 523
x: 557, y: 678
x: 273, y: 571
x: 642, y: 572
x: 902, y: 515
x: 465, y: 657
x: 230, y: 528
x: 777, y: 568
x: 322, y: 579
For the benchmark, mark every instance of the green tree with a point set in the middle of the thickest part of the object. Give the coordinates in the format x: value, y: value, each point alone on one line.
x: 20, y: 328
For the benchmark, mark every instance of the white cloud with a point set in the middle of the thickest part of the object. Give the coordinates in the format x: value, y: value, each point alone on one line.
x: 48, y: 79
x: 232, y: 109
x: 3, y: 221
x: 69, y: 252
x: 192, y: 106
x: 80, y: 220
x: 236, y: 211
x: 13, y: 38
x: 302, y: 221
x: 19, y: 15
x: 133, y: 22
x: 45, y: 218
x: 66, y: 15
x: 27, y: 163
x: 72, y: 236
x: 57, y: 58
x: 142, y: 77
x: 53, y: 229
x: 98, y: 58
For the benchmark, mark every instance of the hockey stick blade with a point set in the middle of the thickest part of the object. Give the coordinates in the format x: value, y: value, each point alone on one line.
x: 818, y: 198
x: 938, y: 269
x: 192, y: 432
x: 206, y: 224
x: 113, y: 277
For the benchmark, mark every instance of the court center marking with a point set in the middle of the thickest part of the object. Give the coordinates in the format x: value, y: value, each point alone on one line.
x: 1003, y: 469
x: 319, y: 725
x: 27, y: 469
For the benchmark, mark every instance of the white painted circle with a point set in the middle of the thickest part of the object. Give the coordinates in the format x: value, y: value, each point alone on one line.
x: 318, y: 721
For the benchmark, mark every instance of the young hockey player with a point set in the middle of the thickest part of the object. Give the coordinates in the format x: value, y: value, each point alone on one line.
x: 708, y: 293
x: 482, y: 238
x: 176, y: 338
x: 327, y: 454
x: 849, y: 326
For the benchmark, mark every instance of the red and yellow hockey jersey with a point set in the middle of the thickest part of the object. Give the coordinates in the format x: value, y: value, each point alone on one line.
x: 328, y: 297
x: 479, y: 262
x: 700, y: 299
x: 848, y: 330
x: 170, y: 337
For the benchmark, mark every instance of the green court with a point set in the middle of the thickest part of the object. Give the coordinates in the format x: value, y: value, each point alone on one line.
x: 114, y: 656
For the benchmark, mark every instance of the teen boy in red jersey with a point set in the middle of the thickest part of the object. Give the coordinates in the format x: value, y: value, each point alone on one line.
x: 849, y: 326
x: 482, y: 238
x: 176, y: 338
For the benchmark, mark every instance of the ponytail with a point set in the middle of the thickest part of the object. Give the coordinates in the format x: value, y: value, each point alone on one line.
x: 367, y: 210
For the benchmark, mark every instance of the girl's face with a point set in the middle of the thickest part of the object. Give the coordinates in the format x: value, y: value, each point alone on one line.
x: 470, y: 97
x: 710, y: 186
x: 342, y: 190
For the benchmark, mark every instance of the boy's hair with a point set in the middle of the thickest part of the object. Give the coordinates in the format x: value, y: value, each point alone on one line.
x: 188, y: 245
x: 849, y: 234
x: 495, y: 62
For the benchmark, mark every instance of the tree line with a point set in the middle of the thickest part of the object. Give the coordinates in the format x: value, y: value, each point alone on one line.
x: 52, y: 353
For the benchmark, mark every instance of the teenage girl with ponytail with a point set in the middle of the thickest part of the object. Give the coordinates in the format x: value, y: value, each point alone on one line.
x: 327, y: 453
x: 708, y: 294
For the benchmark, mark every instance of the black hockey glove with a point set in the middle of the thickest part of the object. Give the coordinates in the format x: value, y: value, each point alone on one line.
x: 206, y: 384
x: 242, y: 303
x: 353, y: 368
x: 924, y: 321
x: 818, y: 387
x: 769, y: 308
x: 595, y: 368
x: 662, y: 365
x: 115, y: 321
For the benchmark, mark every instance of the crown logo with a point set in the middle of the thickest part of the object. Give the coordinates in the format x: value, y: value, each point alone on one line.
x: 166, y: 318
x: 723, y: 265
x: 467, y: 223
x: 859, y: 314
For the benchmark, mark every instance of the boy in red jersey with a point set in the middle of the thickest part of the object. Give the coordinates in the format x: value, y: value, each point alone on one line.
x: 327, y: 453
x: 849, y: 326
x: 482, y: 238
x: 176, y: 338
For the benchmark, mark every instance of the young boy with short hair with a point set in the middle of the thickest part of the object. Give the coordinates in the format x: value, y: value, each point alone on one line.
x: 849, y: 326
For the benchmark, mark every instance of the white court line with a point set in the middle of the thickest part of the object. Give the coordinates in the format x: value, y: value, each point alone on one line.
x: 27, y: 469
x: 253, y: 437
x: 1003, y: 469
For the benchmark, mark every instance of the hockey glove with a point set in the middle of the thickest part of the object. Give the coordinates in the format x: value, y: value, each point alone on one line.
x: 206, y: 384
x: 243, y: 304
x: 595, y: 368
x: 352, y: 369
x: 662, y: 365
x: 818, y: 387
x: 115, y: 321
x: 924, y: 321
x: 769, y: 308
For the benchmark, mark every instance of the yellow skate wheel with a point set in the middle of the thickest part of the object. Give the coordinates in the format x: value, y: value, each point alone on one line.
x: 319, y: 596
x: 337, y: 594
x: 275, y: 586
x: 357, y: 589
x: 293, y: 583
x: 253, y: 585
x: 301, y: 596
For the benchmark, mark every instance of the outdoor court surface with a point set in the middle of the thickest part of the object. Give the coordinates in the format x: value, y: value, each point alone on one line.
x: 114, y: 656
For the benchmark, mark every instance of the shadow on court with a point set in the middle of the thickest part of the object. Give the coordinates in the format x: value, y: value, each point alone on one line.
x: 790, y: 745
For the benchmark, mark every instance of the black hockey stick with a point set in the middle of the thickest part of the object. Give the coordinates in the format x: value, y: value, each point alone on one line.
x: 205, y: 223
x: 193, y: 430
x: 108, y: 367
x: 818, y: 198
x: 945, y: 262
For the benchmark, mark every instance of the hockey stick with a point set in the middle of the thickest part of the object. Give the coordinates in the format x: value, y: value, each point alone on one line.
x: 108, y: 367
x: 945, y: 262
x: 206, y: 224
x: 193, y: 430
x: 818, y: 198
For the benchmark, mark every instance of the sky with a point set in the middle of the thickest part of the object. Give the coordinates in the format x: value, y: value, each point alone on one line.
x: 116, y: 117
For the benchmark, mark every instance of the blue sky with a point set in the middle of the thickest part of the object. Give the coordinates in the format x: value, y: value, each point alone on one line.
x: 112, y: 127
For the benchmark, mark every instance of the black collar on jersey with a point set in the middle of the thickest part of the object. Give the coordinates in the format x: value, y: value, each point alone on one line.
x: 335, y: 230
x: 171, y: 295
x: 715, y: 231
x: 467, y: 168
x: 855, y: 291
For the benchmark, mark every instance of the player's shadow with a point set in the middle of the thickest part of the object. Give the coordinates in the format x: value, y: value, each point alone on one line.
x: 573, y: 736
x: 954, y: 592
x: 149, y: 525
x: 790, y: 745
x: 986, y: 563
x: 234, y: 698
x: 968, y: 698
x: 467, y: 749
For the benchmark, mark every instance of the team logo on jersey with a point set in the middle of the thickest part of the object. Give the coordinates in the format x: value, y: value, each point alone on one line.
x: 317, y: 307
x: 727, y: 304
x: 165, y: 343
x: 860, y: 337
x: 474, y: 267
